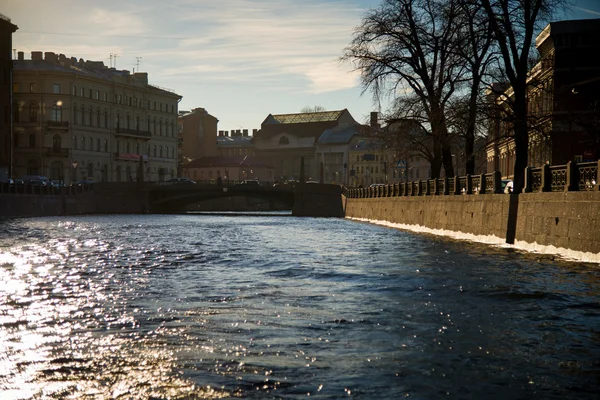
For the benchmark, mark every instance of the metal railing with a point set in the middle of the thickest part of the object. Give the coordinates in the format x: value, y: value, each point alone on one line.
x: 572, y: 176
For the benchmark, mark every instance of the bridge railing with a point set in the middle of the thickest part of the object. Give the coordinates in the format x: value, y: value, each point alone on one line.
x: 49, y: 190
x: 584, y: 176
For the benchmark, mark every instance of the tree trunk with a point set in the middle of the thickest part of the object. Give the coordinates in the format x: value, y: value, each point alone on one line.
x: 521, y: 142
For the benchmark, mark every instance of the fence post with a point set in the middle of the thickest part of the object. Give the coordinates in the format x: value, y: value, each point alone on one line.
x: 528, y: 184
x: 572, y: 177
x: 456, y: 185
x: 469, y: 188
x: 546, y: 178
x: 482, y: 184
x: 446, y: 188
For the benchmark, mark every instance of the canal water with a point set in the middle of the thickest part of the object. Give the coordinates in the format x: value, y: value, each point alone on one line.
x: 258, y: 307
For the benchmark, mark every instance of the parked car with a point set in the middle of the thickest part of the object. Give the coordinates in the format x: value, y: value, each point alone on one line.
x: 250, y: 183
x: 14, y: 182
x: 36, y: 180
x: 57, y: 183
x: 180, y: 181
x: 83, y: 182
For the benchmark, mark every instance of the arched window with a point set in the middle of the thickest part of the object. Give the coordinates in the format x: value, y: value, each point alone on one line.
x: 91, y: 144
x: 82, y: 143
x: 161, y: 153
x: 32, y: 140
x: 56, y: 143
x: 56, y: 113
x: 154, y: 150
x: 284, y: 140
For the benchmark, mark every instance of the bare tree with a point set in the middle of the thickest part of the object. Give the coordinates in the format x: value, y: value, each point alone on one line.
x: 313, y: 109
x: 408, y: 47
x: 513, y: 24
x: 475, y: 48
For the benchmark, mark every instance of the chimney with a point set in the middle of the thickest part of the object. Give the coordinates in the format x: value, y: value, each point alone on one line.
x: 245, y: 132
x: 21, y: 56
x: 50, y: 57
x: 254, y: 132
x: 374, y: 118
x: 36, y: 56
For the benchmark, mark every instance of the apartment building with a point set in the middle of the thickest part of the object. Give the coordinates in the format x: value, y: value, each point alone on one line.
x: 76, y: 119
x: 7, y: 28
x: 563, y: 101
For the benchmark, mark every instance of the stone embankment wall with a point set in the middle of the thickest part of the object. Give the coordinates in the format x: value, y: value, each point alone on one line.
x: 569, y: 220
x: 103, y: 199
x: 318, y: 200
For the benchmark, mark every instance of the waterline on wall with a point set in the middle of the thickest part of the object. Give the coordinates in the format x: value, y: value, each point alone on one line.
x: 566, y: 254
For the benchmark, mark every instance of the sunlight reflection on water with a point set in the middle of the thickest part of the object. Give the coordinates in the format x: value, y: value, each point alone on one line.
x: 178, y: 307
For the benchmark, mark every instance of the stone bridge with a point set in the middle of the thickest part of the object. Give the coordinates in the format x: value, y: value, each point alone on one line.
x: 176, y: 197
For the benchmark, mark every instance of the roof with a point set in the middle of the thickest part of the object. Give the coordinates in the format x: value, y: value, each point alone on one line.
x: 229, y: 161
x: 234, y: 141
x: 339, y: 134
x: 89, y: 69
x: 302, y: 118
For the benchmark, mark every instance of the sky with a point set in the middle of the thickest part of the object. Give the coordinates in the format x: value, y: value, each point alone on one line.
x: 241, y: 60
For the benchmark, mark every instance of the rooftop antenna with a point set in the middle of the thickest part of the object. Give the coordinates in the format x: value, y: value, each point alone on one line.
x: 137, y: 64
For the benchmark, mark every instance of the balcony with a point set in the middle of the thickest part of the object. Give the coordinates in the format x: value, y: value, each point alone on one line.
x: 130, y: 156
x: 135, y: 133
x: 58, y: 124
x: 57, y: 152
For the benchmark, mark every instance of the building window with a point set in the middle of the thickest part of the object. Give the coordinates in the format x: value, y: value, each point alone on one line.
x: 33, y: 112
x: 31, y: 140
x: 98, y: 117
x: 105, y: 119
x: 56, y: 113
x: 154, y: 150
x: 82, y: 143
x: 97, y: 95
x: 56, y: 143
x: 98, y: 145
x: 75, y: 143
x: 161, y: 153
x: 284, y: 140
x: 75, y: 114
x: 91, y: 144
x: 106, y: 145
x: 82, y: 115
x: 56, y: 88
x: 15, y: 87
x: 118, y: 121
x: 32, y: 88
x: 91, y: 117
x: 81, y: 92
x: 105, y: 96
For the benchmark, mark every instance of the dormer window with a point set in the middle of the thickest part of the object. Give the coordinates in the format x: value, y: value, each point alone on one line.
x: 284, y: 140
